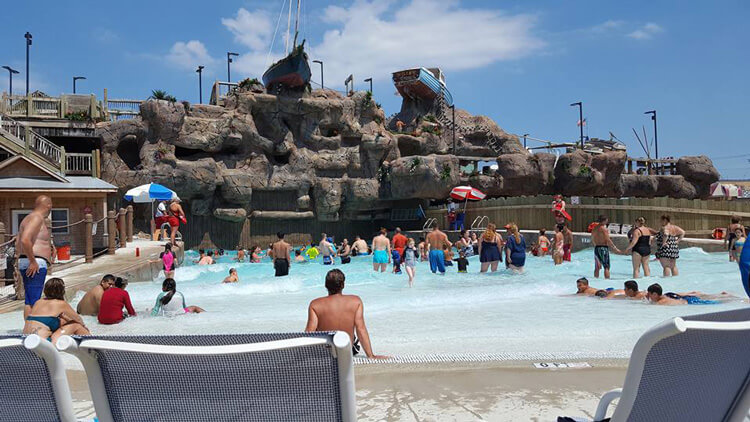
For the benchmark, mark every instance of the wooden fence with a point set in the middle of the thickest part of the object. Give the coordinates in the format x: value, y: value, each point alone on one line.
x: 698, y: 217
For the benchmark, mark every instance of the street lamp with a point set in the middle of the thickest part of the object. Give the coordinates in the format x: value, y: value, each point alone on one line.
x: 28, y: 43
x: 370, y: 81
x: 321, y: 73
x: 580, y: 118
x: 229, y: 60
x: 524, y: 140
x: 200, y: 84
x: 656, y: 140
x: 76, y: 78
x: 11, y: 71
x: 453, y: 114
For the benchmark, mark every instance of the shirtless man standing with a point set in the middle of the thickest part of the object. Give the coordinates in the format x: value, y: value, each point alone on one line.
x: 340, y: 312
x: 436, y: 243
x: 327, y: 250
x: 602, y: 241
x: 89, y: 304
x: 359, y: 246
x: 34, y: 251
x: 381, y: 251
x: 176, y: 215
x: 567, y: 242
x: 281, y: 258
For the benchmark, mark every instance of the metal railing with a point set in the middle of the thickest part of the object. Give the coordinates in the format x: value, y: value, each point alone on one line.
x: 220, y: 91
x: 122, y: 109
x: 480, y: 223
x: 429, y: 223
x: 76, y: 163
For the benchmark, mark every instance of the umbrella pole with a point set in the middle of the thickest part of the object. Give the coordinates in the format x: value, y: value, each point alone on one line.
x: 153, y: 224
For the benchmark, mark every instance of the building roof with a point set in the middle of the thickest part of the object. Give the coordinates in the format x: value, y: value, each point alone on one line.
x: 81, y: 183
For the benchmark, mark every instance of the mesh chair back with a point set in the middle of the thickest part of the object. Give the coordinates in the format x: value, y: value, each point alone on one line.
x: 697, y: 375
x: 734, y: 315
x: 25, y: 388
x: 299, y: 384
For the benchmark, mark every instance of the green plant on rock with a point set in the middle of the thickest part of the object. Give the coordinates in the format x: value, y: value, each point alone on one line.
x: 78, y: 116
x: 384, y: 173
x: 584, y: 171
x: 415, y: 162
x: 445, y: 174
x: 430, y: 118
x: 247, y: 83
x: 160, y: 94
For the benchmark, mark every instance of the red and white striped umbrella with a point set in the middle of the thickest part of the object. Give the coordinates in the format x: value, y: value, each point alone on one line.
x: 467, y: 193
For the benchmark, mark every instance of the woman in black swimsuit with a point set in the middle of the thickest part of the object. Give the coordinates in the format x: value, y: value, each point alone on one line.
x: 640, y: 245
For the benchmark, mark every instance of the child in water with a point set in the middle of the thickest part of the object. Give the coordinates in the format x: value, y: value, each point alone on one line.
x: 448, y: 252
x: 396, y: 257
x: 738, y: 242
x: 542, y: 244
x: 410, y: 261
x: 462, y: 262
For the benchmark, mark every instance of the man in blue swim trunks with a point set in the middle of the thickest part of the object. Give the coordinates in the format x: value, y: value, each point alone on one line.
x: 654, y: 295
x: 381, y: 251
x: 33, y: 251
x: 327, y: 250
x: 436, y: 242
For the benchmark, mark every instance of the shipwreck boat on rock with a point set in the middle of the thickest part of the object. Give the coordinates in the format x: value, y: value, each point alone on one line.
x: 293, y: 71
x: 422, y: 84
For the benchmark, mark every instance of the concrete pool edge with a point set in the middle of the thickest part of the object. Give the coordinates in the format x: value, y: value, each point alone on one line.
x: 495, y: 360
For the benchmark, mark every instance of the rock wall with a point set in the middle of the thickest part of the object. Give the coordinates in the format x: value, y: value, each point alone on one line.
x: 320, y: 154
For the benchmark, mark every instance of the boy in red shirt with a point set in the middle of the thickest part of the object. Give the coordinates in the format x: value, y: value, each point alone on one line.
x: 113, y: 300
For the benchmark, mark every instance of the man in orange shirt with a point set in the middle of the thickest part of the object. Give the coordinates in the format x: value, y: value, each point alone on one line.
x: 399, y: 242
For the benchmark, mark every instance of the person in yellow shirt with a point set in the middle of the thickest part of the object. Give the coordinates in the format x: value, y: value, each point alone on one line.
x: 312, y: 252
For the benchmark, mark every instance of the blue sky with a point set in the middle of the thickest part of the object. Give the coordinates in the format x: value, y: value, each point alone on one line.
x: 521, y: 63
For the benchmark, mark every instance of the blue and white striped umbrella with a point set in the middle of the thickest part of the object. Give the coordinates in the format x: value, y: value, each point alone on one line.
x: 149, y: 193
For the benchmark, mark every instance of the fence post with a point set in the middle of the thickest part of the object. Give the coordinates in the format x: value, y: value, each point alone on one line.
x: 105, y: 105
x: 130, y: 223
x: 2, y: 104
x: 63, y: 161
x: 27, y: 139
x: 88, y: 223
x: 121, y: 228
x: 2, y: 232
x: 95, y: 163
x: 29, y: 105
x: 62, y: 106
x: 111, y: 216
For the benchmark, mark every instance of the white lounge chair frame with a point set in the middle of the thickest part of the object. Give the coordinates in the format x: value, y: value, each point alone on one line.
x: 83, y: 350
x: 628, y: 393
x: 56, y: 368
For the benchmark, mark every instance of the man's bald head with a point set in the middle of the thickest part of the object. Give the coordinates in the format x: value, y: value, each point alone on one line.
x: 43, y: 203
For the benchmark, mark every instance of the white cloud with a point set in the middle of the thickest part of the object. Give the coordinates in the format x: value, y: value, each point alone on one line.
x: 374, y: 38
x: 188, y: 55
x: 646, y: 32
x: 252, y: 29
x: 607, y: 26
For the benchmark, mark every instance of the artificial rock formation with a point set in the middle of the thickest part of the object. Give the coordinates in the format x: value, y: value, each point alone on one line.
x: 321, y: 155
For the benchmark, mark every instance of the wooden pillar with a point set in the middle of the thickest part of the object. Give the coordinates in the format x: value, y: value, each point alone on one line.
x: 29, y: 105
x: 88, y: 224
x: 121, y: 228
x: 630, y: 166
x: 105, y: 105
x: 130, y: 223
x: 63, y: 161
x: 27, y: 139
x: 111, y: 246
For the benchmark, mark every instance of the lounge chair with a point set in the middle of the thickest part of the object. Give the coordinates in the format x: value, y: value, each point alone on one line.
x: 694, y: 368
x: 33, y: 386
x: 247, y: 377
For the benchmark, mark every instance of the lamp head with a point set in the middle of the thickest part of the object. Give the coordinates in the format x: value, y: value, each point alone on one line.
x: 576, y: 104
x: 200, y: 69
x: 317, y: 61
x: 368, y: 80
x: 76, y: 78
x: 28, y: 37
x: 10, y: 69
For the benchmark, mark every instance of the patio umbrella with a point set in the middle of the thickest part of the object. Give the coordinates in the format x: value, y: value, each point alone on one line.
x: 149, y: 193
x: 467, y: 193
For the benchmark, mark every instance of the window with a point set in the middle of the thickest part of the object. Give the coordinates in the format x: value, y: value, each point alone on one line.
x: 59, y: 217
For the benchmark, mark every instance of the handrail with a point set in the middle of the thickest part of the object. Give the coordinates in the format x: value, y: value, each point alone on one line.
x: 68, y: 225
x: 480, y: 222
x: 429, y: 222
x: 216, y: 95
x: 39, y: 143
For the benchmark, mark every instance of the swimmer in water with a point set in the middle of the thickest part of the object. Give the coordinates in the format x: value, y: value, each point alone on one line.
x: 232, y: 277
x: 582, y: 284
x: 656, y: 296
x: 298, y: 258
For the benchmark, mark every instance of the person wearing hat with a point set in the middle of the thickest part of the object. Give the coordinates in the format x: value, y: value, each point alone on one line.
x: 176, y: 215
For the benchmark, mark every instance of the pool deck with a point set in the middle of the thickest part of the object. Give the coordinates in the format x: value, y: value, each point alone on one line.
x: 124, y: 263
x: 507, y: 391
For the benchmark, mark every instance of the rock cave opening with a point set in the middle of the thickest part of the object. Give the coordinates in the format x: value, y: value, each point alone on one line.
x: 282, y: 158
x: 129, y: 151
x: 182, y: 153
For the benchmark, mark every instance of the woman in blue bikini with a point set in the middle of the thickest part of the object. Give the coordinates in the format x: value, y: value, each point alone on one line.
x: 52, y: 317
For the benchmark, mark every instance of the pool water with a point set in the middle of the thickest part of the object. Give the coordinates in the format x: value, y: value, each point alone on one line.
x: 514, y: 315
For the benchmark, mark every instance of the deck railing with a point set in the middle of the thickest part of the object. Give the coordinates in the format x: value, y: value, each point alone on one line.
x: 122, y: 109
x: 220, y: 91
x: 79, y: 164
x: 49, y: 107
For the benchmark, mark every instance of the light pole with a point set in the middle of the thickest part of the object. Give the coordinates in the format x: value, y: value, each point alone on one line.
x: 321, y: 73
x: 370, y: 81
x: 524, y: 140
x: 580, y: 118
x: 453, y: 116
x: 200, y: 84
x: 229, y: 60
x: 656, y: 139
x: 28, y: 44
x: 11, y: 71
x: 76, y: 78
